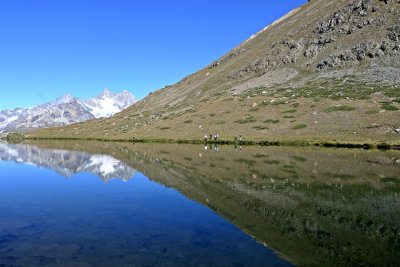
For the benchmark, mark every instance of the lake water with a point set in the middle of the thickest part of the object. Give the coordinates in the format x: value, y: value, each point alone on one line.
x: 121, y: 204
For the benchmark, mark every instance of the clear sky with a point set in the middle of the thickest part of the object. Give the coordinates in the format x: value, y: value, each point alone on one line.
x: 52, y: 47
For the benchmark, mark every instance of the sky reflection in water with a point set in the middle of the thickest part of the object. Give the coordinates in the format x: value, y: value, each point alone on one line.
x: 47, y: 219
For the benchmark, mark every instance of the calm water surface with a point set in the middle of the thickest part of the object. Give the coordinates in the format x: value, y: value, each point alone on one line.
x: 116, y: 204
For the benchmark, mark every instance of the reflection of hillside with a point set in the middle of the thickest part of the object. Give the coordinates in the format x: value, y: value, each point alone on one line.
x: 315, y: 206
x: 66, y: 162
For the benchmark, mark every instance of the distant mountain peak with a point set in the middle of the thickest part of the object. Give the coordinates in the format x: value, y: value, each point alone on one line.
x: 108, y: 103
x: 64, y: 99
x: 106, y: 93
x: 65, y: 110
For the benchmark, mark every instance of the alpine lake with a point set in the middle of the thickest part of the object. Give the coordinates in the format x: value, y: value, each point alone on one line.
x: 75, y: 203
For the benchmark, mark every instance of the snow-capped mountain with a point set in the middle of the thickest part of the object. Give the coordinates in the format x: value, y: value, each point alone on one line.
x: 67, y: 163
x: 9, y: 116
x: 65, y: 110
x: 108, y: 103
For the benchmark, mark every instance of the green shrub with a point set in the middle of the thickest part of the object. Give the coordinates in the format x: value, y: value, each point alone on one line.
x: 259, y: 127
x: 299, y: 126
x: 254, y: 109
x: 389, y: 107
x: 290, y: 111
x: 246, y: 119
x: 271, y: 121
x: 373, y: 111
x: 339, y: 108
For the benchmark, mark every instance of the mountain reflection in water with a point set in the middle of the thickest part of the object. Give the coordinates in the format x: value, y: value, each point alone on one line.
x: 316, y: 207
x: 66, y: 162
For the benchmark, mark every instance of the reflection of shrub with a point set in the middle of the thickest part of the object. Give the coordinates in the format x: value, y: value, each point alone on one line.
x: 271, y: 161
x: 299, y: 126
x: 390, y: 180
x: 298, y: 158
x: 338, y: 175
x: 246, y: 161
x: 260, y: 156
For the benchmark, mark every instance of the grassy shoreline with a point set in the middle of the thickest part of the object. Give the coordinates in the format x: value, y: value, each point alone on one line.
x: 293, y: 143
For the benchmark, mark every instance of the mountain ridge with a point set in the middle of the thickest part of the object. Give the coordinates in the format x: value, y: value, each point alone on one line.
x: 65, y: 110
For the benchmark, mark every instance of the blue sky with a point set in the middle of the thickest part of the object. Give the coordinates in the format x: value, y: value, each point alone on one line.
x: 52, y: 47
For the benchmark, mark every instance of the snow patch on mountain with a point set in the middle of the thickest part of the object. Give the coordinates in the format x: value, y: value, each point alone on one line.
x: 108, y: 103
x: 4, y: 122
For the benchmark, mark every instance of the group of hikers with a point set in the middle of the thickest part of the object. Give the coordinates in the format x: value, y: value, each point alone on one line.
x: 214, y: 138
x: 208, y: 139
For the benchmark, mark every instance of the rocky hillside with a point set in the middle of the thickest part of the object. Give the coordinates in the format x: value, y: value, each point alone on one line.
x: 327, y: 70
x: 64, y: 110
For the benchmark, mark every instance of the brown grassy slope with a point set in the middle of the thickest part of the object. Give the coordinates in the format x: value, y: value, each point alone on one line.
x: 324, y: 54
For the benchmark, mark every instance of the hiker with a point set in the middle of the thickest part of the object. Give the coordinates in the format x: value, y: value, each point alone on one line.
x: 211, y: 137
x: 205, y: 139
x: 240, y: 137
